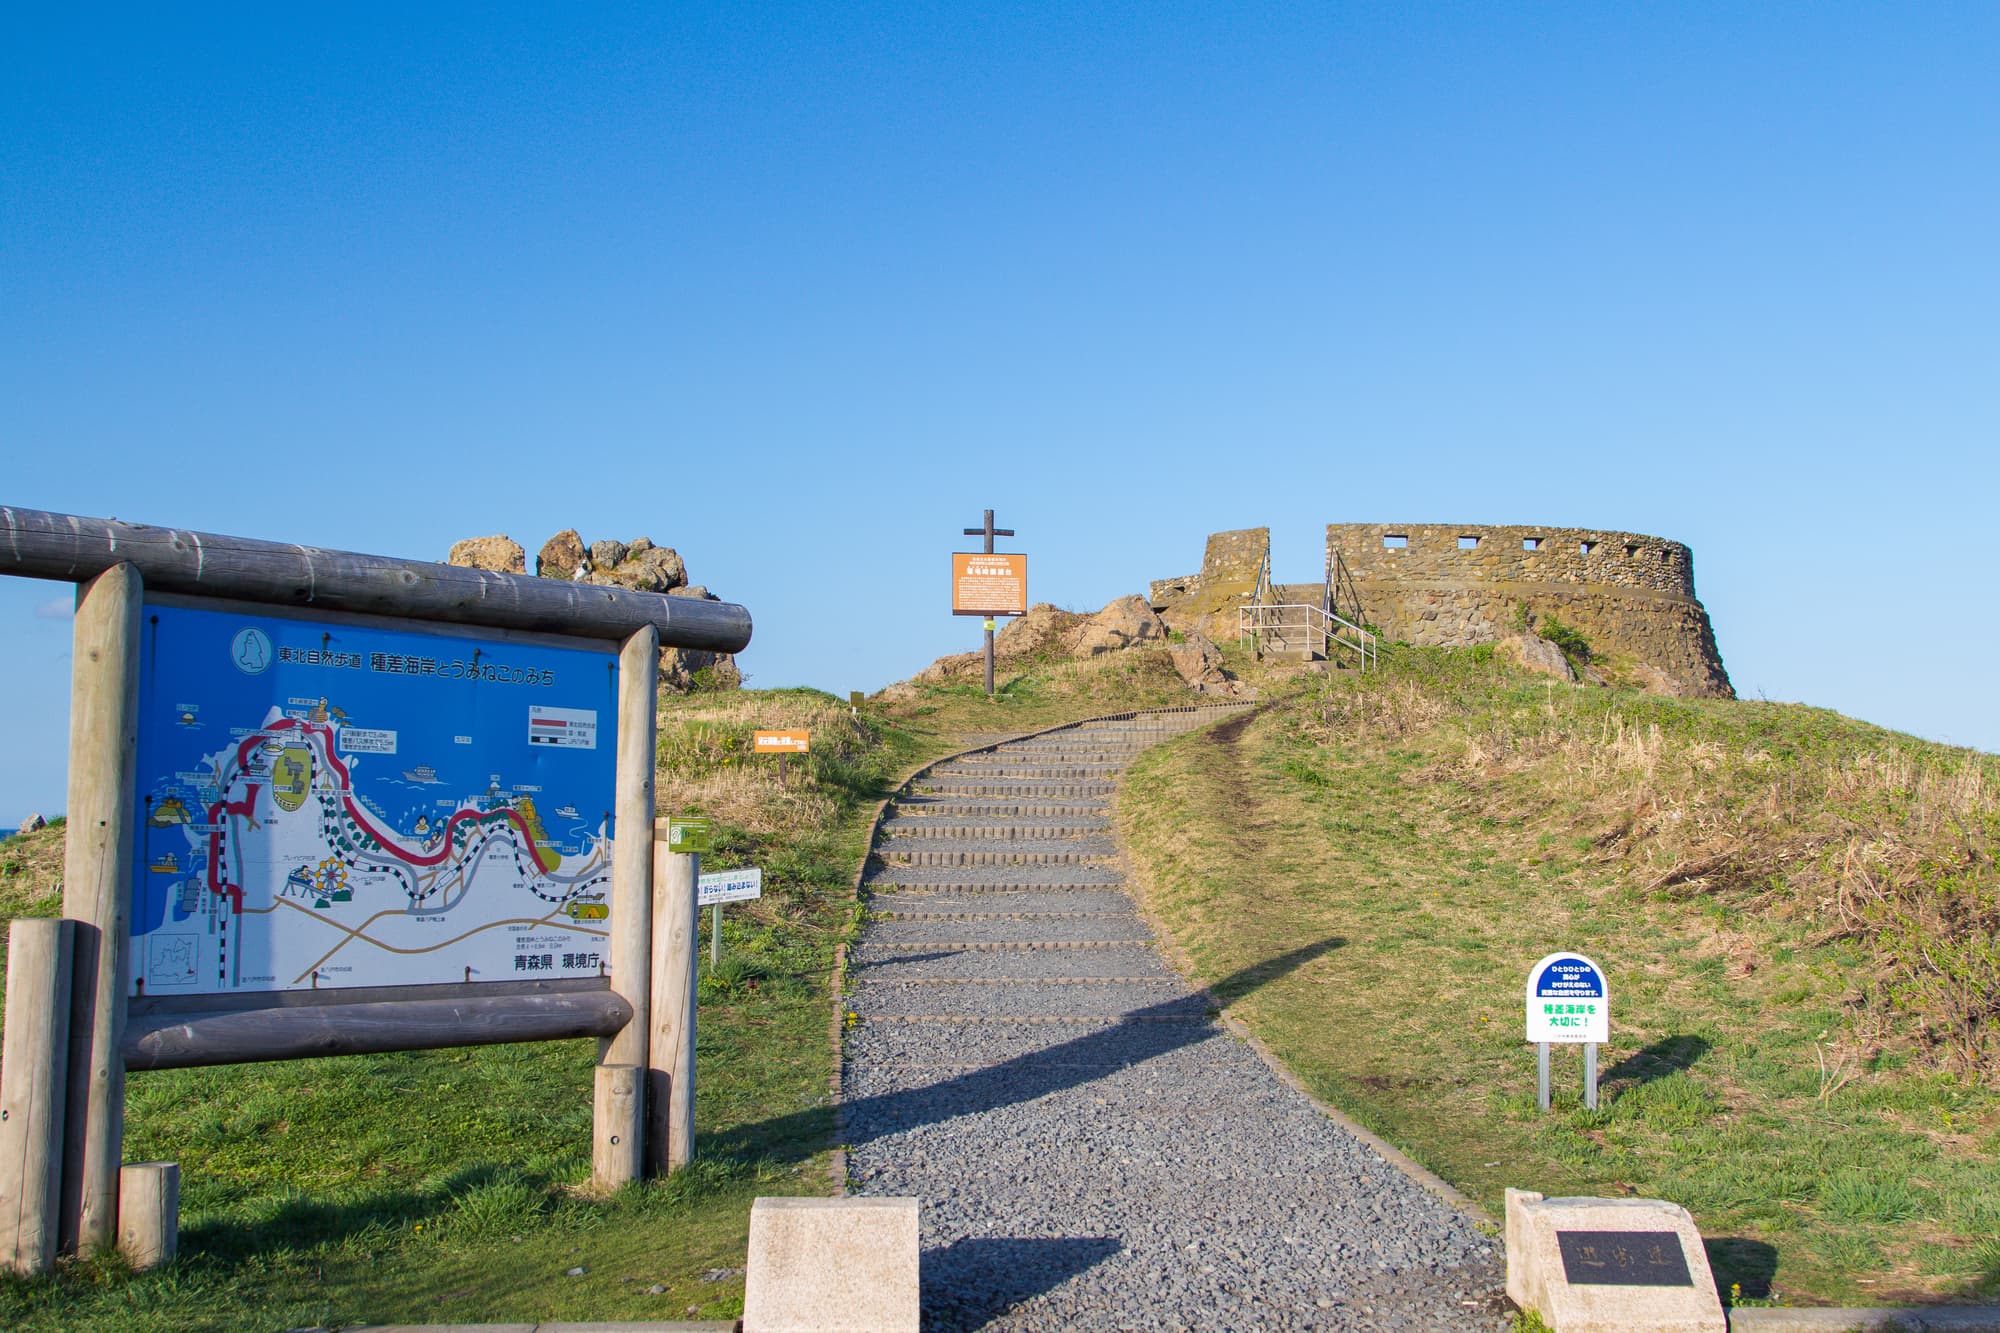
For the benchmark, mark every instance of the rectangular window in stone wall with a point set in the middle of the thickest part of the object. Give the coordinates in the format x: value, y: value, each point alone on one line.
x: 1531, y: 543
x: 1585, y: 548
x: 1394, y: 541
x: 1468, y: 543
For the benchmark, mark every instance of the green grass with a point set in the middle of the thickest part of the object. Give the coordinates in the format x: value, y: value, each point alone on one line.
x: 449, y: 1185
x: 1441, y: 825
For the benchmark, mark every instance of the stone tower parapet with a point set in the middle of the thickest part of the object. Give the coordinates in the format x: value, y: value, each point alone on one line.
x: 1455, y: 585
x: 1460, y: 584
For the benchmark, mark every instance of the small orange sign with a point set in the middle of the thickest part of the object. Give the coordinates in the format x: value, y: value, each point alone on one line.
x: 988, y: 585
x: 784, y: 742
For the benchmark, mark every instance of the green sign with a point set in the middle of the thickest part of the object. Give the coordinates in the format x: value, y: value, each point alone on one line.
x: 690, y: 833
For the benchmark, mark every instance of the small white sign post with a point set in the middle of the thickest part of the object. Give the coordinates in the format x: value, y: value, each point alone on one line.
x: 1568, y: 1001
x: 725, y: 886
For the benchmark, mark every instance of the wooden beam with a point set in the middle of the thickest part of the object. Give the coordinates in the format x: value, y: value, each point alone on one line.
x: 670, y: 1053
x: 179, y: 1041
x: 631, y: 942
x: 97, y: 883
x: 39, y: 544
x: 34, y: 1065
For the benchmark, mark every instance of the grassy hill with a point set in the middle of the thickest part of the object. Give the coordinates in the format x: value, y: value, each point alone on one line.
x: 1797, y: 913
x: 446, y: 1185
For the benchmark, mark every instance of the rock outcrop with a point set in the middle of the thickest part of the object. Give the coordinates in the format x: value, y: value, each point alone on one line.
x: 1199, y: 662
x: 1126, y: 623
x: 563, y: 557
x: 499, y: 554
x: 638, y: 564
x: 1535, y: 654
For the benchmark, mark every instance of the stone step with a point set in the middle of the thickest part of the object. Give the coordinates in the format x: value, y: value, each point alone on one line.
x: 1008, y: 857
x: 947, y: 900
x: 991, y: 765
x: 994, y: 831
x: 1014, y: 787
x: 1009, y: 932
x: 927, y: 881
x: 954, y: 807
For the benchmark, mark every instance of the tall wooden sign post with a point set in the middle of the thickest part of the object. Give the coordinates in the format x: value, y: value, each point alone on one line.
x: 989, y: 584
x: 287, y: 769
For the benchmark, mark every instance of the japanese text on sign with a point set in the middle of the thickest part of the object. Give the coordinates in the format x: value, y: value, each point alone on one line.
x: 988, y: 585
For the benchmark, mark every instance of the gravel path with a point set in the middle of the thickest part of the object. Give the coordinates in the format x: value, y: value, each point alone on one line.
x: 1094, y: 1151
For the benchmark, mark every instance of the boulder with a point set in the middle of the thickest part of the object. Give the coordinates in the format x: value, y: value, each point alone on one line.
x: 607, y: 554
x: 694, y: 590
x: 498, y: 555
x: 679, y: 665
x: 1200, y: 663
x: 1128, y: 622
x: 563, y: 557
x: 33, y: 822
x: 1040, y: 630
x: 1534, y: 653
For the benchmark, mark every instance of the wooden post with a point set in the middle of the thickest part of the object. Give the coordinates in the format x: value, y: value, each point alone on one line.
x: 97, y: 879
x: 670, y: 1053
x: 149, y: 1213
x: 619, y: 1126
x: 34, y: 1064
x: 631, y: 896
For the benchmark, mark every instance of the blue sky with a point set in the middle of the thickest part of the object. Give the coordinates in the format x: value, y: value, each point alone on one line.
x: 799, y: 291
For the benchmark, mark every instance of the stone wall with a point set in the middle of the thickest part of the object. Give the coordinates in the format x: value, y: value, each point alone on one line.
x: 1206, y: 603
x: 1457, y: 585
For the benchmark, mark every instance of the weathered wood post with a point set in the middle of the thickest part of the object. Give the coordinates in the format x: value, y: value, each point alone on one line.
x: 34, y: 1075
x: 97, y: 878
x: 618, y: 1126
x: 149, y: 1213
x: 670, y: 1058
x: 631, y: 896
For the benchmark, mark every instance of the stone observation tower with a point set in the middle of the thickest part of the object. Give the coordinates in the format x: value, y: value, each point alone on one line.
x: 1457, y: 585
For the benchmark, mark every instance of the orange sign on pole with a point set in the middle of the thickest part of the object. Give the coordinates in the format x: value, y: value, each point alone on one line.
x: 988, y: 585
x: 784, y: 742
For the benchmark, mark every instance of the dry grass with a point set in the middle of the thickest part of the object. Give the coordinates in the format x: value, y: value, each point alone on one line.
x: 1790, y: 904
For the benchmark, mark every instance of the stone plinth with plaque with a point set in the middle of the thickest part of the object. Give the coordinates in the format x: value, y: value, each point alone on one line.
x: 1629, y: 1265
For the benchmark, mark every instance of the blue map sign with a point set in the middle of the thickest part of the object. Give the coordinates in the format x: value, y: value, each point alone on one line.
x: 326, y: 805
x: 1567, y: 1000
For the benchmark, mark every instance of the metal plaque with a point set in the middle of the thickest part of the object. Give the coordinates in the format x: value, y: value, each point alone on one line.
x: 1623, y: 1259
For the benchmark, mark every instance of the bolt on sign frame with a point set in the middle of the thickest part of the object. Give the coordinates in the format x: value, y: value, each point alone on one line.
x: 275, y: 790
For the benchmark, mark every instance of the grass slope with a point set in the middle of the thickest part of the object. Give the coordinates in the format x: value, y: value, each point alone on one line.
x: 446, y: 1185
x: 1796, y: 912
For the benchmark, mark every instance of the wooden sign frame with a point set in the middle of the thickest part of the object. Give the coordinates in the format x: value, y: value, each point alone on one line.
x: 117, y: 567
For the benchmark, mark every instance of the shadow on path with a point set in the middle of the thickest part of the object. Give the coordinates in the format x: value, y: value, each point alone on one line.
x: 1126, y: 1041
x: 979, y: 1278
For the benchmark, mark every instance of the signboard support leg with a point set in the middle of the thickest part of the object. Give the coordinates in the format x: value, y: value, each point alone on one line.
x: 97, y: 881
x: 670, y: 1052
x: 1590, y: 1075
x: 619, y: 1124
x: 631, y: 920
x: 989, y: 659
x: 34, y: 1068
x: 1542, y: 1074
x: 714, y: 937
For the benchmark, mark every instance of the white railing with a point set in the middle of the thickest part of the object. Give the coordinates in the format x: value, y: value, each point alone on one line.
x: 1301, y: 624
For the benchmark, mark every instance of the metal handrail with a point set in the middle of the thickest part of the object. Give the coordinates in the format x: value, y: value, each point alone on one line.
x: 1261, y: 618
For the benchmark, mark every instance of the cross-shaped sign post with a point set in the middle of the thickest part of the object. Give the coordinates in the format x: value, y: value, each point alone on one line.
x: 989, y: 532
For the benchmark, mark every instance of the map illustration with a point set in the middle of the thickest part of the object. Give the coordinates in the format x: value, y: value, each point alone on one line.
x: 331, y: 805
